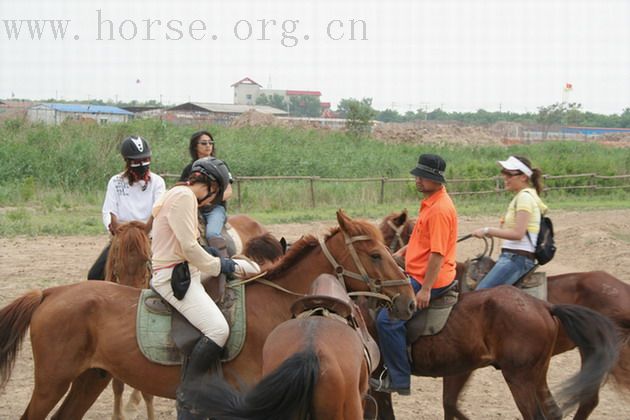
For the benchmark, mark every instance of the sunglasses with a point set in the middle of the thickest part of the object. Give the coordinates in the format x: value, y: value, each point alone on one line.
x: 205, y: 143
x: 511, y: 173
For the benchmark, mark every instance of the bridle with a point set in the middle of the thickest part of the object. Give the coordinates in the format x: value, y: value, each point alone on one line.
x: 375, y: 285
x: 397, y: 235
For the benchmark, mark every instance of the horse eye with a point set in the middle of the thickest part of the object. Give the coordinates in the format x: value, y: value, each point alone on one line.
x: 375, y: 257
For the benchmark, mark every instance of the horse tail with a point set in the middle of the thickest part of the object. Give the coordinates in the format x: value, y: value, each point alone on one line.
x: 621, y: 371
x: 15, y: 319
x: 285, y: 393
x: 596, y: 337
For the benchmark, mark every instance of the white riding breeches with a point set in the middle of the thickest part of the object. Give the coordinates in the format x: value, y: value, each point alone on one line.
x: 196, y: 306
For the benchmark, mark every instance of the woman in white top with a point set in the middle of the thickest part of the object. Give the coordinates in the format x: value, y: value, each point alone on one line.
x: 520, y: 225
x: 175, y: 233
x: 130, y: 195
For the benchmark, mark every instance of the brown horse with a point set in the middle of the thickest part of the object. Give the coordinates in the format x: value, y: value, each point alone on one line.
x: 314, y: 367
x: 516, y: 333
x: 129, y: 263
x: 596, y: 290
x: 83, y: 334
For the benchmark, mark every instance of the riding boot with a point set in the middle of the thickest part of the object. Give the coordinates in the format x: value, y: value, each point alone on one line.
x: 217, y: 287
x: 197, y: 370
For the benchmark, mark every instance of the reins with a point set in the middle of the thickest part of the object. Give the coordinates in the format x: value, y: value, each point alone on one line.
x: 375, y: 285
x: 397, y: 235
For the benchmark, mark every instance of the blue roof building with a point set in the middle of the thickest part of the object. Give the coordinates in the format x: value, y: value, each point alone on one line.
x: 55, y: 113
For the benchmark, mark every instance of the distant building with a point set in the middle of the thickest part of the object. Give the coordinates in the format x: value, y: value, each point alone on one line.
x: 216, y: 113
x: 54, y: 113
x: 246, y: 91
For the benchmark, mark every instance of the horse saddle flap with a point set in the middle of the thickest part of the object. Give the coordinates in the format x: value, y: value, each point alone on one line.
x: 432, y: 320
x: 325, y: 292
x: 157, y: 305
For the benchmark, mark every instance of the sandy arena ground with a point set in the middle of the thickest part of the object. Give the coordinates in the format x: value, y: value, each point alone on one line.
x: 587, y: 241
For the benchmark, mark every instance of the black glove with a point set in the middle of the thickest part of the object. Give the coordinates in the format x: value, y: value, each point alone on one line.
x: 227, y: 265
x: 211, y: 250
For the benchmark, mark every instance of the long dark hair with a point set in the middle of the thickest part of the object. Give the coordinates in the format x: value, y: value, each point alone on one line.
x: 194, y: 139
x: 537, y: 175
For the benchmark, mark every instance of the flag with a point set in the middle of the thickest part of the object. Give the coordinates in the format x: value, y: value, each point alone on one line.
x: 568, y: 87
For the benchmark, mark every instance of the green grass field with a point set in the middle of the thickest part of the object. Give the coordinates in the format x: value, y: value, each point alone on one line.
x: 53, y: 178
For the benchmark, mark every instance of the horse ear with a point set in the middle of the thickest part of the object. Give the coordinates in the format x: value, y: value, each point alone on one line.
x: 284, y: 245
x: 343, y: 220
x: 402, y: 218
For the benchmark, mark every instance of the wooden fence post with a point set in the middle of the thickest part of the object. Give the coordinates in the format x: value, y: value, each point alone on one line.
x: 312, y: 192
x: 238, y: 193
x: 382, y: 198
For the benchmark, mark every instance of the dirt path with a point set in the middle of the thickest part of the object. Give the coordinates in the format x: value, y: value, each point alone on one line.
x: 587, y: 241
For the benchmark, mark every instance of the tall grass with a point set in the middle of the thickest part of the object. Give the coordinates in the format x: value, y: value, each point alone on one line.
x: 64, y: 169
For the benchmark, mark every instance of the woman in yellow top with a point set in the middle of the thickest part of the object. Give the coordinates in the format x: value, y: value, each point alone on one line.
x: 520, y: 225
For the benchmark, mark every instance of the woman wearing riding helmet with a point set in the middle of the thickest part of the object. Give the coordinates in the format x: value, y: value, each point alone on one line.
x: 130, y: 194
x: 175, y: 231
x: 520, y: 225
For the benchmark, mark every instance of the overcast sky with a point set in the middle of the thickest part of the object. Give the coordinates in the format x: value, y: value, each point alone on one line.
x: 460, y: 55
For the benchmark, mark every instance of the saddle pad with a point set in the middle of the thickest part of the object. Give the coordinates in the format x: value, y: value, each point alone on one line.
x: 431, y: 321
x: 153, y: 329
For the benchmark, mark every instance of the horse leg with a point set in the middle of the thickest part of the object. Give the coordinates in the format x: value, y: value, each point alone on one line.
x: 545, y: 398
x: 522, y: 384
x: 452, y: 387
x: 45, y: 395
x: 384, y: 405
x: 118, y: 387
x: 148, y: 402
x: 84, y: 391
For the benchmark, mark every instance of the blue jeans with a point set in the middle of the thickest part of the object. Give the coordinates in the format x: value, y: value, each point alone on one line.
x: 508, y: 269
x: 392, y: 338
x: 215, y: 219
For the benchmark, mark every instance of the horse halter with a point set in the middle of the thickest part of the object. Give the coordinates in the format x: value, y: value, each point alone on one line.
x: 397, y: 235
x: 375, y: 285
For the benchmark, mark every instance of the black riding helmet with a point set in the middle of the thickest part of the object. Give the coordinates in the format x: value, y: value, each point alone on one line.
x: 215, y: 170
x: 135, y: 148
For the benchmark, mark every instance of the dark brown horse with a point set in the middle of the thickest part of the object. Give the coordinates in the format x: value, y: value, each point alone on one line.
x: 83, y: 334
x: 596, y: 290
x: 129, y: 263
x: 516, y: 333
x: 314, y: 367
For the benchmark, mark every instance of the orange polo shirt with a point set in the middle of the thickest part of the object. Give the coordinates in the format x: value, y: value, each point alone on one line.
x: 435, y: 231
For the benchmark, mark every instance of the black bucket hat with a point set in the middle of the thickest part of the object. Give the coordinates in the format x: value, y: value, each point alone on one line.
x: 430, y: 167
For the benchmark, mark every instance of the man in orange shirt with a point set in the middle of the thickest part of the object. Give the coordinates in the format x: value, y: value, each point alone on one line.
x: 429, y: 262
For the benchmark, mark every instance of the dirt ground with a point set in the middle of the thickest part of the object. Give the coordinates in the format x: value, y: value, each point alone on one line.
x: 587, y: 241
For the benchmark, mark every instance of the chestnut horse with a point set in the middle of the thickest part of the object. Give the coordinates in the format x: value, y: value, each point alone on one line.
x: 83, y: 334
x: 596, y: 290
x: 313, y: 368
x: 129, y: 263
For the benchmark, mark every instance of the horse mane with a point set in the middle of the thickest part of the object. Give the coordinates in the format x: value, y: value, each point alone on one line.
x: 308, y: 242
x: 130, y: 238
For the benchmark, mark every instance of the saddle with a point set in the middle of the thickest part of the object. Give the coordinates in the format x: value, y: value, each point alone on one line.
x: 328, y: 298
x: 533, y: 282
x: 164, y: 335
x: 432, y: 320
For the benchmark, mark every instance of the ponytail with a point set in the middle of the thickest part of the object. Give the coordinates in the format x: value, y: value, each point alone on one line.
x: 537, y: 175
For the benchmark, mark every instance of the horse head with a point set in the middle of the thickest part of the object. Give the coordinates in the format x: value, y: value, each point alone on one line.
x: 396, y: 229
x: 129, y: 259
x: 363, y: 258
